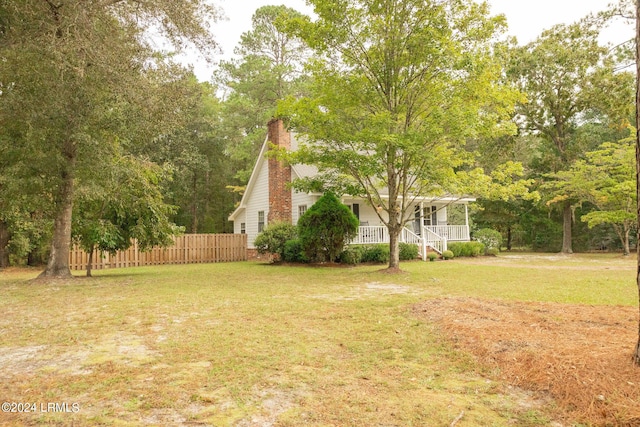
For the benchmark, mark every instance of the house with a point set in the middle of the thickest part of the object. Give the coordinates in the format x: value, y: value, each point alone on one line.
x: 268, y: 199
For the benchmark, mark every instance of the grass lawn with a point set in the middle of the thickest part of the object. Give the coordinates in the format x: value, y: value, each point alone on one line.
x: 250, y: 344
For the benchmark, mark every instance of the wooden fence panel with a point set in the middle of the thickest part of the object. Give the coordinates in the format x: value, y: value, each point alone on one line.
x: 187, y: 249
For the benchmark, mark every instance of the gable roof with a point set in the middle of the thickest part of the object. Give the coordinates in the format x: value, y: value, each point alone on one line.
x: 252, y: 179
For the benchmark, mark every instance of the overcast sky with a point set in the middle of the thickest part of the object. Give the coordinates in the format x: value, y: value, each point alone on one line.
x: 526, y: 20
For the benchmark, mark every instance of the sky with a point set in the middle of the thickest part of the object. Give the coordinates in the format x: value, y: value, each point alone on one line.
x: 526, y: 20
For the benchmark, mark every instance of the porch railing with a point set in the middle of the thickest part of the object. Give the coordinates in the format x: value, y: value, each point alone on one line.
x: 436, y: 237
x: 371, y: 234
x: 436, y: 241
x: 409, y: 236
x: 451, y: 232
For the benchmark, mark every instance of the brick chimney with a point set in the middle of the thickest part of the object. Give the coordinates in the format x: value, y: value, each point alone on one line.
x: 279, y: 175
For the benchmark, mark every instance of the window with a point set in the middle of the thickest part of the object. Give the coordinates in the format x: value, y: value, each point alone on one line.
x: 260, y: 221
x: 243, y: 228
x: 355, y: 208
x: 430, y: 217
x: 301, y: 210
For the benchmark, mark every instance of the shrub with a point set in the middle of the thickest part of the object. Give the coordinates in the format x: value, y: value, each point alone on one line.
x: 447, y: 254
x: 493, y: 251
x: 376, y: 253
x: 325, y: 228
x: 408, y: 251
x: 272, y: 240
x: 352, y: 254
x: 491, y: 239
x: 433, y: 256
x: 466, y: 249
x: 293, y: 251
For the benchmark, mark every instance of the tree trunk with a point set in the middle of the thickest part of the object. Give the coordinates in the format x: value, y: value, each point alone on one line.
x: 509, y: 238
x: 4, y: 242
x: 90, y: 261
x: 627, y: 249
x: 394, y: 249
x: 58, y: 262
x: 636, y: 353
x: 567, y: 220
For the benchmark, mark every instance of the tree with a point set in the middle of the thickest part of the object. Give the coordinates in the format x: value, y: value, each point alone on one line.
x: 74, y: 71
x: 636, y: 353
x: 397, y: 87
x: 269, y: 69
x: 604, y: 178
x: 567, y: 77
x: 325, y: 228
x: 108, y: 219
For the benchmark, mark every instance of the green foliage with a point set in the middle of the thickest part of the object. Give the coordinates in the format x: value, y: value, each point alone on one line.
x: 274, y: 238
x: 396, y: 88
x: 606, y: 179
x: 268, y: 69
x: 326, y: 227
x: 108, y: 218
x: 352, y: 254
x: 467, y: 249
x: 293, y: 252
x: 447, y: 254
x: 378, y: 254
x: 491, y: 239
x: 492, y: 252
x: 408, y: 251
x: 432, y: 256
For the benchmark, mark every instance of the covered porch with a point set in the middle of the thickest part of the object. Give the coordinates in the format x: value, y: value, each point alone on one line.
x: 429, y: 228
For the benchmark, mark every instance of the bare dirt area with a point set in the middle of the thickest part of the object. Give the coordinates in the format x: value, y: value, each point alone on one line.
x: 578, y: 356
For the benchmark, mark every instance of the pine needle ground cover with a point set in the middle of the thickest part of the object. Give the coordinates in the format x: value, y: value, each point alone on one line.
x: 250, y: 344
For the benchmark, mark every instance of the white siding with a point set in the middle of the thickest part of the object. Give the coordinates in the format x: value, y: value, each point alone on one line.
x: 237, y: 223
x: 298, y: 199
x: 257, y: 200
x: 367, y: 213
x: 441, y: 215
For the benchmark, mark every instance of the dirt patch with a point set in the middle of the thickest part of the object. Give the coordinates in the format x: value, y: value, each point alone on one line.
x: 578, y: 355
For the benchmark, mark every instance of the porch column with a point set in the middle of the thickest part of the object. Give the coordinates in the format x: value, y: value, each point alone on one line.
x: 466, y: 219
x: 423, y: 237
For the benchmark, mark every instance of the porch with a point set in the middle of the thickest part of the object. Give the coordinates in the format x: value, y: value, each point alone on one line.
x: 434, y: 237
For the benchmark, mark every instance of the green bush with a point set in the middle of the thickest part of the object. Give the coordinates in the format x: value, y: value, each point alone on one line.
x: 272, y: 240
x: 493, y: 251
x: 352, y: 255
x: 293, y: 251
x: 376, y: 253
x: 491, y: 239
x: 466, y: 249
x: 432, y: 256
x: 447, y: 254
x: 325, y: 228
x: 408, y: 251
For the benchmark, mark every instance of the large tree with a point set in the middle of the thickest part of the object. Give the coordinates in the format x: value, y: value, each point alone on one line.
x: 569, y: 79
x: 397, y: 88
x: 636, y: 353
x: 75, y: 74
x: 269, y: 68
x: 604, y: 178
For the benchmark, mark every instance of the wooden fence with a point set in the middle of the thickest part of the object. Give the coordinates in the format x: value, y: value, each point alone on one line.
x: 188, y: 249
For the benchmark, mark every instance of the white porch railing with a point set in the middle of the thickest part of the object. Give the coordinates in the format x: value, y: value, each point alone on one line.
x: 436, y: 241
x: 409, y: 236
x: 436, y: 237
x: 451, y: 232
x: 371, y: 234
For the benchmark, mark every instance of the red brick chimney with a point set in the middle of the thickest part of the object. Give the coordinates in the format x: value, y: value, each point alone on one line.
x: 279, y: 175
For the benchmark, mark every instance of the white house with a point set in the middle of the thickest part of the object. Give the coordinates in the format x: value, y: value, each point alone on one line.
x: 268, y: 198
